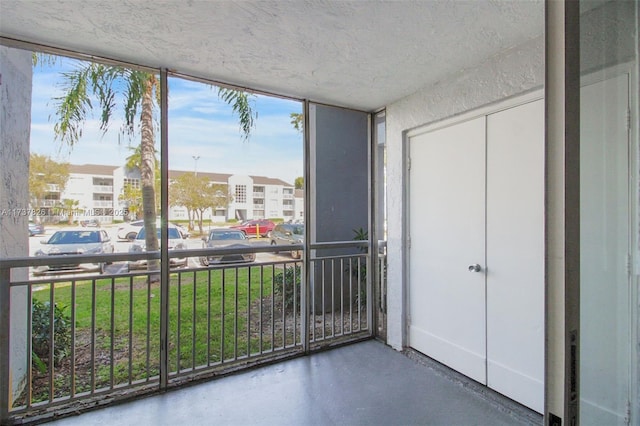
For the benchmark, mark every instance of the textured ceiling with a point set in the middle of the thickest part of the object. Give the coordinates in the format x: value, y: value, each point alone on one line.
x: 360, y: 54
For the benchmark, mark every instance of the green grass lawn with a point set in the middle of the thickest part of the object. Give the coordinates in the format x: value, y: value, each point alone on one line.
x: 126, y: 344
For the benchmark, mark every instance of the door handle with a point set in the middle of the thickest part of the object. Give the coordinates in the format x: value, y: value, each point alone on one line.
x: 475, y: 268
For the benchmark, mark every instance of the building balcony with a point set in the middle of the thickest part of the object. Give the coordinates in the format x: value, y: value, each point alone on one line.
x: 103, y: 189
x: 103, y: 203
x: 239, y: 328
x: 258, y: 195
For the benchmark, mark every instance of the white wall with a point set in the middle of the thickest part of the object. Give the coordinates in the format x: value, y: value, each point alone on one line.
x: 15, y: 125
x: 510, y: 73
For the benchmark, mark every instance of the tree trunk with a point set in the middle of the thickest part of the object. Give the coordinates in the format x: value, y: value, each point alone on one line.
x: 147, y: 172
x: 200, y: 213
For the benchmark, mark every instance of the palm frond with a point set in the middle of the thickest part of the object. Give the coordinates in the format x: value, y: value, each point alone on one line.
x: 71, y: 108
x: 241, y: 103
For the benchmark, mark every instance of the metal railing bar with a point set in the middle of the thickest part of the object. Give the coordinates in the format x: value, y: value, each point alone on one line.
x: 248, y: 324
x: 324, y: 300
x: 112, y: 333
x: 193, y: 320
x: 223, y: 319
x: 208, y: 315
x: 351, y: 294
x: 359, y: 294
x: 93, y: 336
x: 333, y: 297
x: 335, y: 257
x: 335, y: 244
x: 260, y: 310
x: 235, y: 317
x: 312, y: 322
x: 296, y: 295
x: 26, y: 261
x: 273, y: 307
x: 51, y: 339
x: 371, y: 294
x: 130, y: 366
x: 179, y: 326
x: 284, y: 304
x: 342, y: 332
x: 148, y: 339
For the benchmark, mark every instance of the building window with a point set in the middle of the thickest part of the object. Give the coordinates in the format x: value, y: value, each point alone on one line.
x: 241, y: 193
x: 133, y: 183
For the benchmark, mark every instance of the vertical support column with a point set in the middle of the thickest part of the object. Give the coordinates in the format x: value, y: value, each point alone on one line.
x: 372, y: 268
x: 16, y: 72
x: 305, y: 300
x: 5, y: 328
x: 164, y: 247
x: 562, y: 211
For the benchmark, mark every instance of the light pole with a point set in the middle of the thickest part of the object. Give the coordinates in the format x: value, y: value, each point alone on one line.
x: 195, y: 168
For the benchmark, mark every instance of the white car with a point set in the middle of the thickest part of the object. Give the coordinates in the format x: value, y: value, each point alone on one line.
x: 74, y: 241
x: 128, y: 231
x: 176, y: 242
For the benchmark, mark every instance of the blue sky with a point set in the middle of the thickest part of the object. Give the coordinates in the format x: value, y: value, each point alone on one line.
x: 199, y: 125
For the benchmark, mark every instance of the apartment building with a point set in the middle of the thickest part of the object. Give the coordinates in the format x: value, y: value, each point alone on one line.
x: 97, y: 190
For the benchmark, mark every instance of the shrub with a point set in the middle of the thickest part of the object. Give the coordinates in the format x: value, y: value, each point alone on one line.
x: 41, y: 337
x: 291, y: 273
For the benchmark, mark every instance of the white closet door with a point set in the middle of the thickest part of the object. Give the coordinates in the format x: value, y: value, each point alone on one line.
x: 447, y: 199
x: 515, y: 253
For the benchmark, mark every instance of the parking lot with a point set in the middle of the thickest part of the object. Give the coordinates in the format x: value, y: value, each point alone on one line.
x: 121, y: 246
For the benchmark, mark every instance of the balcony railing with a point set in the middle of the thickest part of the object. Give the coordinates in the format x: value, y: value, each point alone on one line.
x: 103, y: 189
x: 102, y: 203
x: 124, y: 334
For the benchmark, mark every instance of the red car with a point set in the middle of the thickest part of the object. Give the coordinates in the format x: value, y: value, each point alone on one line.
x: 252, y: 228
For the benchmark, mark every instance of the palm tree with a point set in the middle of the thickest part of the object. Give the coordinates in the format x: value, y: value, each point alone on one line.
x: 139, y: 91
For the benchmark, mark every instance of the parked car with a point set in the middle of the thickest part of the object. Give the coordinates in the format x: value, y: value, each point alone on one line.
x: 75, y: 241
x: 226, y: 238
x: 176, y: 242
x: 35, y: 229
x: 90, y: 223
x: 252, y: 228
x: 129, y: 231
x: 288, y: 233
x: 183, y: 231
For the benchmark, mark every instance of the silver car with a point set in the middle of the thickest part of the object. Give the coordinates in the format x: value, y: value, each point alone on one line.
x: 74, y: 241
x: 176, y: 242
x: 288, y: 233
x: 226, y: 238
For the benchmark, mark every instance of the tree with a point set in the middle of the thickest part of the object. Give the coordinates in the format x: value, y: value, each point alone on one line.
x: 197, y: 195
x: 139, y: 92
x: 297, y: 121
x: 132, y: 198
x: 299, y: 183
x: 45, y: 176
x: 70, y: 208
x: 134, y: 195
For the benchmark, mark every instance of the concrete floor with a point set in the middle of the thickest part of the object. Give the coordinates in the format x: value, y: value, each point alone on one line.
x: 361, y: 384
